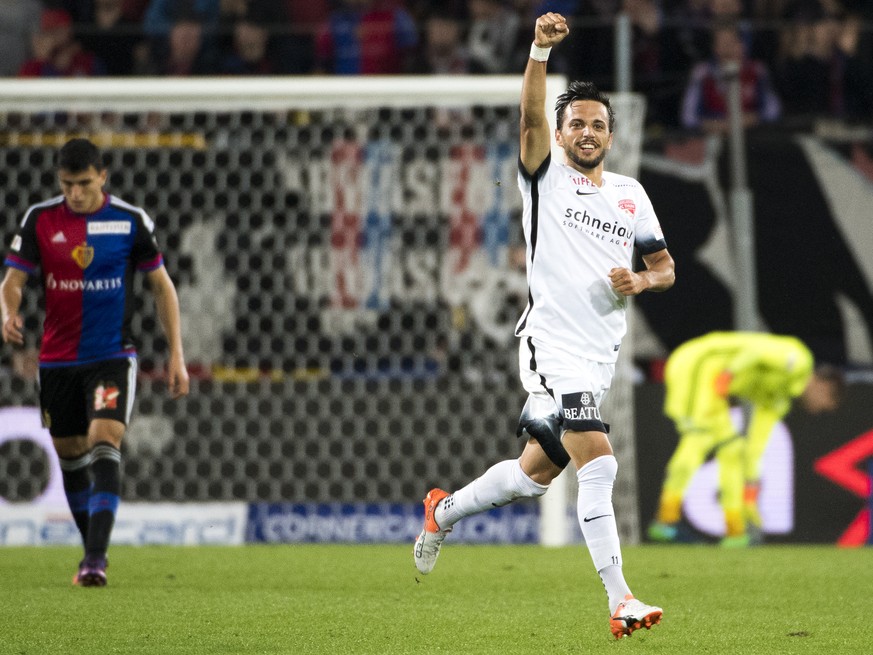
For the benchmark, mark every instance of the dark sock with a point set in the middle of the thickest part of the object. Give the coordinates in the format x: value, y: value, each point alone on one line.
x: 76, y: 474
x: 106, y: 471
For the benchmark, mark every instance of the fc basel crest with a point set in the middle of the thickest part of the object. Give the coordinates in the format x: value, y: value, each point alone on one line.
x: 83, y: 255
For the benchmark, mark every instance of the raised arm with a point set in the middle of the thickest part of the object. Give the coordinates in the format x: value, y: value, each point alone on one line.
x: 536, y: 140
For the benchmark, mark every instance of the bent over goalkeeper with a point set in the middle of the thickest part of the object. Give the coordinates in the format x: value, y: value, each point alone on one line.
x: 703, y: 378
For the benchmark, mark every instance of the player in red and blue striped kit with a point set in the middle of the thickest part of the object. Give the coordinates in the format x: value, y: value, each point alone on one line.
x: 87, y: 245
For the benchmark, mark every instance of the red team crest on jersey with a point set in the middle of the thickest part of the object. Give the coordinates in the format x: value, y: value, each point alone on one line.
x: 628, y: 207
x: 106, y: 396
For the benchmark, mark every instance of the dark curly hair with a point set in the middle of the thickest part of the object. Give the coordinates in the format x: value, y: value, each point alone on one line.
x: 583, y: 91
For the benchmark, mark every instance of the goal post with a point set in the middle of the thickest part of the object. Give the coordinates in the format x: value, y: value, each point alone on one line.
x: 341, y: 248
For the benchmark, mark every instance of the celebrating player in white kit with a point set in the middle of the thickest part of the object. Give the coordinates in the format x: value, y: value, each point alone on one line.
x: 581, y: 225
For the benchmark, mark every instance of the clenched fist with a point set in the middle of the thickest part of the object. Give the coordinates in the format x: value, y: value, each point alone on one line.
x: 550, y: 30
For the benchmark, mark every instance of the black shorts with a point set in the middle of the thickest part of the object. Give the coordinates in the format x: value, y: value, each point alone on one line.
x: 70, y: 397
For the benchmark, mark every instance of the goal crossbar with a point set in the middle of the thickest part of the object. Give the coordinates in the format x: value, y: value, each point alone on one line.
x: 259, y: 93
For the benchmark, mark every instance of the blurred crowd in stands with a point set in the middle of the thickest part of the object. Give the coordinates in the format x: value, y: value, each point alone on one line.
x: 797, y: 59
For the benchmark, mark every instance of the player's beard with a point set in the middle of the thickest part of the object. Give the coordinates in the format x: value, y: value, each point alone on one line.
x: 586, y: 164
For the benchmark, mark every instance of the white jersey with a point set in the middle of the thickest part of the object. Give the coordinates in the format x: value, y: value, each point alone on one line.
x: 576, y: 233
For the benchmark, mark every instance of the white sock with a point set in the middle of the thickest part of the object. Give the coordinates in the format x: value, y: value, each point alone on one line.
x: 615, y: 585
x: 498, y: 486
x: 597, y: 520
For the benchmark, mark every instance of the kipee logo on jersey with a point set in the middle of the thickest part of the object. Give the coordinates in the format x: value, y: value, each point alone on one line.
x: 628, y: 207
x: 586, y: 186
x: 109, y: 227
x: 106, y: 396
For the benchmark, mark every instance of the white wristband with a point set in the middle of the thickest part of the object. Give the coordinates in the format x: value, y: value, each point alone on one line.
x: 539, y: 54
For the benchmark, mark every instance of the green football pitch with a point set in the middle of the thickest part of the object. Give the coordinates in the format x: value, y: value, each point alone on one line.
x: 313, y: 599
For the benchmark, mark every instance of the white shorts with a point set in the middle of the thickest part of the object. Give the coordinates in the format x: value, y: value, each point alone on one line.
x: 563, y: 385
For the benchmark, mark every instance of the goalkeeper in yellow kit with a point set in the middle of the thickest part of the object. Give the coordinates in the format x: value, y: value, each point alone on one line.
x: 703, y: 378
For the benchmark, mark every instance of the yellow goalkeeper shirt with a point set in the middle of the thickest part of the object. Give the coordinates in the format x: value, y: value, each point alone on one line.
x: 765, y: 369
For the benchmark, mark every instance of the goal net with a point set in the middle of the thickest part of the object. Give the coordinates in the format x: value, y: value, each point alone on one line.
x: 345, y: 253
